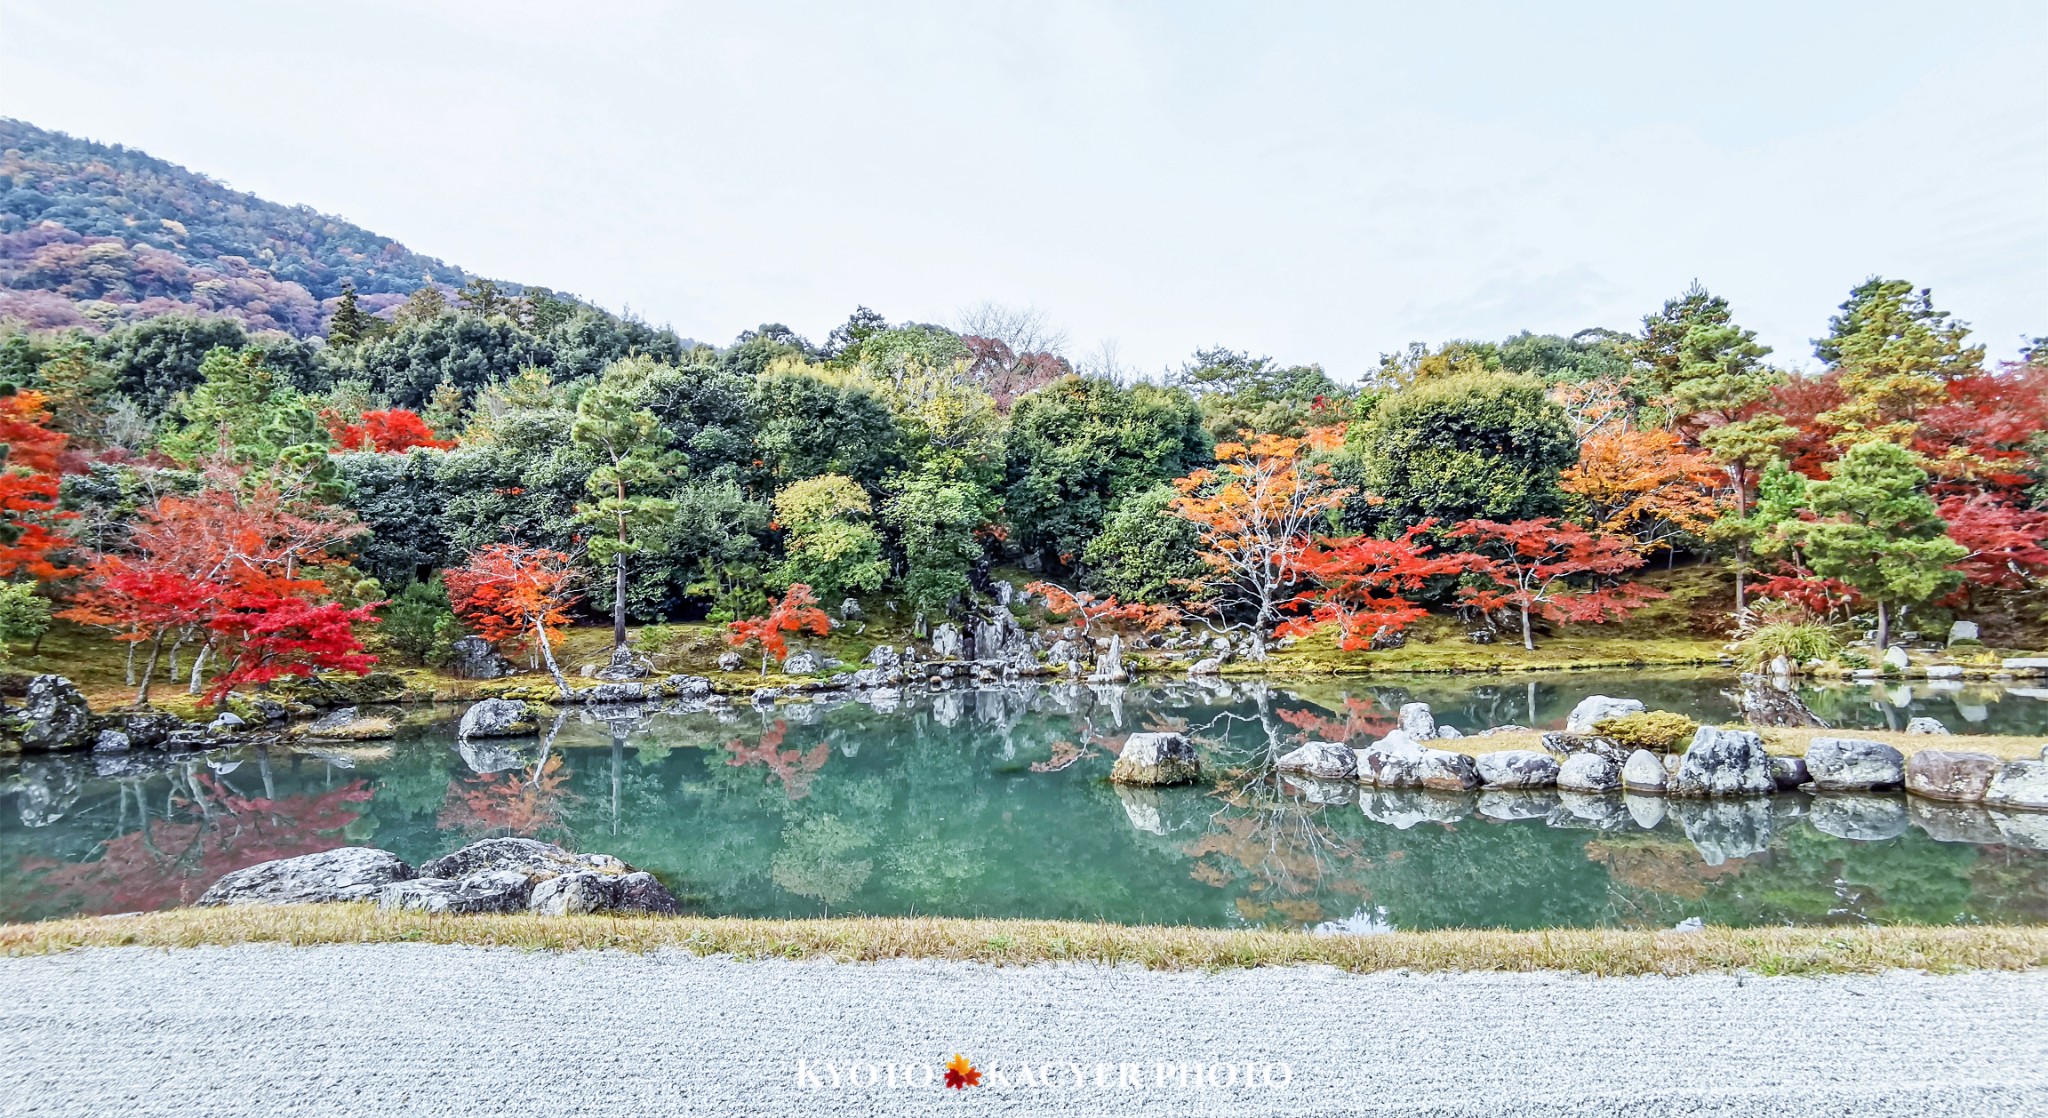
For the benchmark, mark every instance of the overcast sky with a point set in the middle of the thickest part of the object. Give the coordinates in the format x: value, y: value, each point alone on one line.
x: 1321, y: 182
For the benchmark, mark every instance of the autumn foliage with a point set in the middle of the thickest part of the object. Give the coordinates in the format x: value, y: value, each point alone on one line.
x: 29, y: 452
x: 508, y: 592
x: 796, y: 612
x: 386, y: 432
x: 1552, y: 568
x: 1365, y: 585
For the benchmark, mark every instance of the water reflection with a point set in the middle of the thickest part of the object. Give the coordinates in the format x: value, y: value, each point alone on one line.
x: 994, y: 802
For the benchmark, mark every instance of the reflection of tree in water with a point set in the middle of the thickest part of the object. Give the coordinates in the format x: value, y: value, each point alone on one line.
x: 1275, y: 852
x: 1360, y: 720
x: 795, y: 768
x: 204, y: 827
x: 819, y: 858
x: 515, y: 802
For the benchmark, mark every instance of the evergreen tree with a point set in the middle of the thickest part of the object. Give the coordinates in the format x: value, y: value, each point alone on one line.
x: 636, y: 463
x: 349, y: 324
x: 1880, y: 532
x: 1895, y: 355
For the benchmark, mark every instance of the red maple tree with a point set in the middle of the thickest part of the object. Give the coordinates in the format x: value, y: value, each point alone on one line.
x: 1540, y: 566
x: 507, y: 591
x: 2006, y: 541
x: 29, y: 453
x: 797, y: 612
x: 1361, y: 584
x: 386, y: 432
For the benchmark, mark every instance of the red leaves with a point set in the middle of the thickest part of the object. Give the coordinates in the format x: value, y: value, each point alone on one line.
x: 386, y: 432
x: 1361, y: 583
x: 797, y: 612
x: 1531, y: 561
x: 1092, y: 609
x: 2005, y: 541
x: 28, y: 488
x: 506, y: 590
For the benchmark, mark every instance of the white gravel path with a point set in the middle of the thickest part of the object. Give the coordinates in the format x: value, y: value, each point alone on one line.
x: 412, y: 1029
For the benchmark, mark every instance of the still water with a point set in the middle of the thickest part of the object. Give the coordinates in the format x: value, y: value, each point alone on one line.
x: 996, y: 803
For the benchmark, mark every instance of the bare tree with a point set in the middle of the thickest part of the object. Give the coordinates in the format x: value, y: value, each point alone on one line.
x: 1025, y: 330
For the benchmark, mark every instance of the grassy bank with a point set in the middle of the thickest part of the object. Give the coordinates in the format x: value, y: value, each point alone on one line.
x: 1776, y: 951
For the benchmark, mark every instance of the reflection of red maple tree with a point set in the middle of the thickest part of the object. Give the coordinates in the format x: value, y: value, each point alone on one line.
x: 795, y: 768
x: 1362, y: 719
x: 508, y: 803
x: 171, y: 861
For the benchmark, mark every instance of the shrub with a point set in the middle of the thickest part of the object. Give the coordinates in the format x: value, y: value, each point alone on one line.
x: 419, y: 626
x: 1854, y: 660
x: 1797, y: 641
x: 1659, y: 731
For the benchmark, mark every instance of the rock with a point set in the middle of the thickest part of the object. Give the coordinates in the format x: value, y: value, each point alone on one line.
x: 1643, y: 772
x: 1480, y: 636
x: 1417, y: 721
x: 1445, y: 771
x: 2026, y: 665
x: 1943, y: 775
x: 1788, y: 772
x: 638, y: 891
x: 624, y: 665
x: 1722, y: 830
x: 1508, y: 805
x: 1896, y: 660
x: 1155, y: 759
x: 1925, y: 726
x: 1647, y: 811
x: 947, y: 643
x: 613, y: 694
x: 884, y: 657
x: 1724, y: 763
x: 1210, y: 666
x: 802, y: 663
x: 1765, y: 702
x: 1589, y: 811
x: 54, y: 715
x: 488, y: 755
x: 347, y: 724
x: 332, y: 720
x: 1319, y: 791
x: 849, y: 609
x: 1402, y: 810
x: 729, y: 662
x: 352, y: 873
x: 474, y: 658
x: 149, y: 728
x: 497, y: 718
x: 1588, y: 772
x: 1490, y: 731
x: 1945, y: 671
x: 110, y: 741
x: 1859, y: 818
x: 1566, y: 745
x: 1598, y: 708
x: 1323, y: 760
x: 2027, y: 830
x: 2019, y: 784
x: 1948, y: 822
x: 1517, y: 768
x: 1853, y: 765
x: 1780, y: 668
x: 529, y: 856
x: 1962, y: 631
x: 1445, y: 732
x: 489, y: 891
x: 1394, y: 761
x: 686, y: 687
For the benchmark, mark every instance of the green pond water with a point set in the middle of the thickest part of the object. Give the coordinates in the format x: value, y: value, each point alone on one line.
x: 996, y: 803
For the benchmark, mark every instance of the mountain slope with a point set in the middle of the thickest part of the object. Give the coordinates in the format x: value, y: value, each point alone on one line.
x: 94, y: 235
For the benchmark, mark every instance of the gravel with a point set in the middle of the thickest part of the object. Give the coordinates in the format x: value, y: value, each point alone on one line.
x: 417, y: 1029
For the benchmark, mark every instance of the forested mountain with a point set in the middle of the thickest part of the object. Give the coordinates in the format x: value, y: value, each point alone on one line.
x: 96, y: 234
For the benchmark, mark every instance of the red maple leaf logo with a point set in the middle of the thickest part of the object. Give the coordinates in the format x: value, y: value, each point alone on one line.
x: 960, y: 1073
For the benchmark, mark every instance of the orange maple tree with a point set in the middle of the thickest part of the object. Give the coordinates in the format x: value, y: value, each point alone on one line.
x: 1645, y: 484
x: 797, y: 612
x: 386, y: 432
x: 1533, y: 565
x: 507, y: 591
x: 28, y: 488
x: 1092, y: 609
x: 1254, y: 512
x: 1362, y: 583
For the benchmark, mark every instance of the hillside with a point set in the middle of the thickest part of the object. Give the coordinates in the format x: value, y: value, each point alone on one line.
x: 95, y: 235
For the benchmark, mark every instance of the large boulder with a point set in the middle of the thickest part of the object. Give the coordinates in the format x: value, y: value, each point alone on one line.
x: 1788, y: 772
x: 54, y: 716
x: 1939, y: 774
x: 730, y: 661
x: 1724, y: 763
x: 1598, y: 708
x: 1507, y: 805
x: 1774, y: 702
x: 1896, y: 660
x: 1517, y: 768
x: 1722, y: 830
x: 1109, y: 663
x: 625, y: 665
x: 148, y: 729
x: 528, y: 856
x: 1323, y: 760
x: 884, y: 657
x: 947, y: 643
x: 1925, y: 726
x: 1853, y: 765
x: 1588, y: 772
x: 1212, y: 665
x: 1394, y: 761
x: 1418, y: 721
x: 1962, y: 631
x: 497, y: 718
x: 488, y: 891
x: 352, y: 873
x: 474, y: 658
x: 2019, y: 784
x: 1156, y: 758
x: 1445, y: 771
x: 1644, y: 772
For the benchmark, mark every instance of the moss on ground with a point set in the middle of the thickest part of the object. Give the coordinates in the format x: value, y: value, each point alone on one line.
x: 1777, y: 951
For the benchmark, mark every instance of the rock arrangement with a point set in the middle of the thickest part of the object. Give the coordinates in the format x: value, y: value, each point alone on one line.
x: 494, y: 875
x: 1153, y: 759
x: 1717, y: 764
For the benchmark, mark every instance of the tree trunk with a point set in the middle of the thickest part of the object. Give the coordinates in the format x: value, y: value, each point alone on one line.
x: 1528, y: 642
x: 198, y: 665
x: 1884, y: 627
x: 548, y: 654
x: 131, y: 662
x: 149, y: 670
x: 619, y: 603
x: 1741, y: 552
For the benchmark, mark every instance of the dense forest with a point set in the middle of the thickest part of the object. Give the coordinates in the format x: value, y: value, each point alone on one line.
x: 259, y: 491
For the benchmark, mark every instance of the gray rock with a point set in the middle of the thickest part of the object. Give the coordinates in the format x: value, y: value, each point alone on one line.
x: 1945, y: 671
x: 1402, y: 810
x: 1722, y: 830
x: 639, y: 892
x: 528, y: 856
x: 947, y: 643
x: 1156, y: 759
x: 1588, y: 772
x: 2019, y: 784
x: 497, y: 718
x: 1319, y: 791
x: 686, y: 687
x: 625, y: 665
x: 54, y: 716
x: 1418, y: 721
x: 332, y: 720
x: 1859, y: 818
x: 1788, y: 772
x: 1962, y: 631
x: 1773, y: 702
x: 1647, y: 811
x: 1952, y: 822
x: 148, y: 729
x: 1853, y: 765
x: 1323, y: 760
x: 2026, y: 665
x: 1445, y: 771
x: 802, y: 663
x: 730, y: 662
x: 1566, y: 745
x: 349, y: 725
x: 849, y: 609
x: 613, y: 694
x: 110, y: 741
x: 1895, y: 659
x: 474, y: 658
x: 1925, y: 726
x: 1509, y: 804
x: 1643, y: 772
x: 1724, y: 763
x: 884, y: 657
x: 1597, y: 708
x: 574, y: 893
x: 1109, y: 663
x: 1210, y: 666
x: 1940, y: 774
x: 352, y: 873
x: 488, y: 891
x: 488, y: 755
x: 1445, y: 732
x: 1394, y: 761
x: 1517, y: 768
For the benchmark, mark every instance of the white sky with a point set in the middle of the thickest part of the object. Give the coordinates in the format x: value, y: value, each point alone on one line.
x: 1321, y: 182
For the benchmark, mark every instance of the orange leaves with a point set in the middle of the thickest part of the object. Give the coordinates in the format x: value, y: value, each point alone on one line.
x: 1532, y: 563
x: 506, y: 590
x: 386, y: 432
x: 797, y: 612
x: 1362, y: 583
x: 1255, y: 510
x: 1092, y: 609
x: 28, y: 487
x: 960, y: 1073
x: 1644, y: 484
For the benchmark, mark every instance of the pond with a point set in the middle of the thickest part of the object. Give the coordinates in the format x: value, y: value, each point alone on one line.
x: 996, y: 803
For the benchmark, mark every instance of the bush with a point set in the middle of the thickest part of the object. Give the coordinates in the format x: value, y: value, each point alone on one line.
x: 1854, y: 660
x: 419, y: 627
x: 1659, y: 731
x: 1796, y: 641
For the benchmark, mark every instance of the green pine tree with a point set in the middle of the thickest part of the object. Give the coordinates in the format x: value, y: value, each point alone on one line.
x: 638, y: 465
x: 1880, y: 532
x: 350, y: 325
